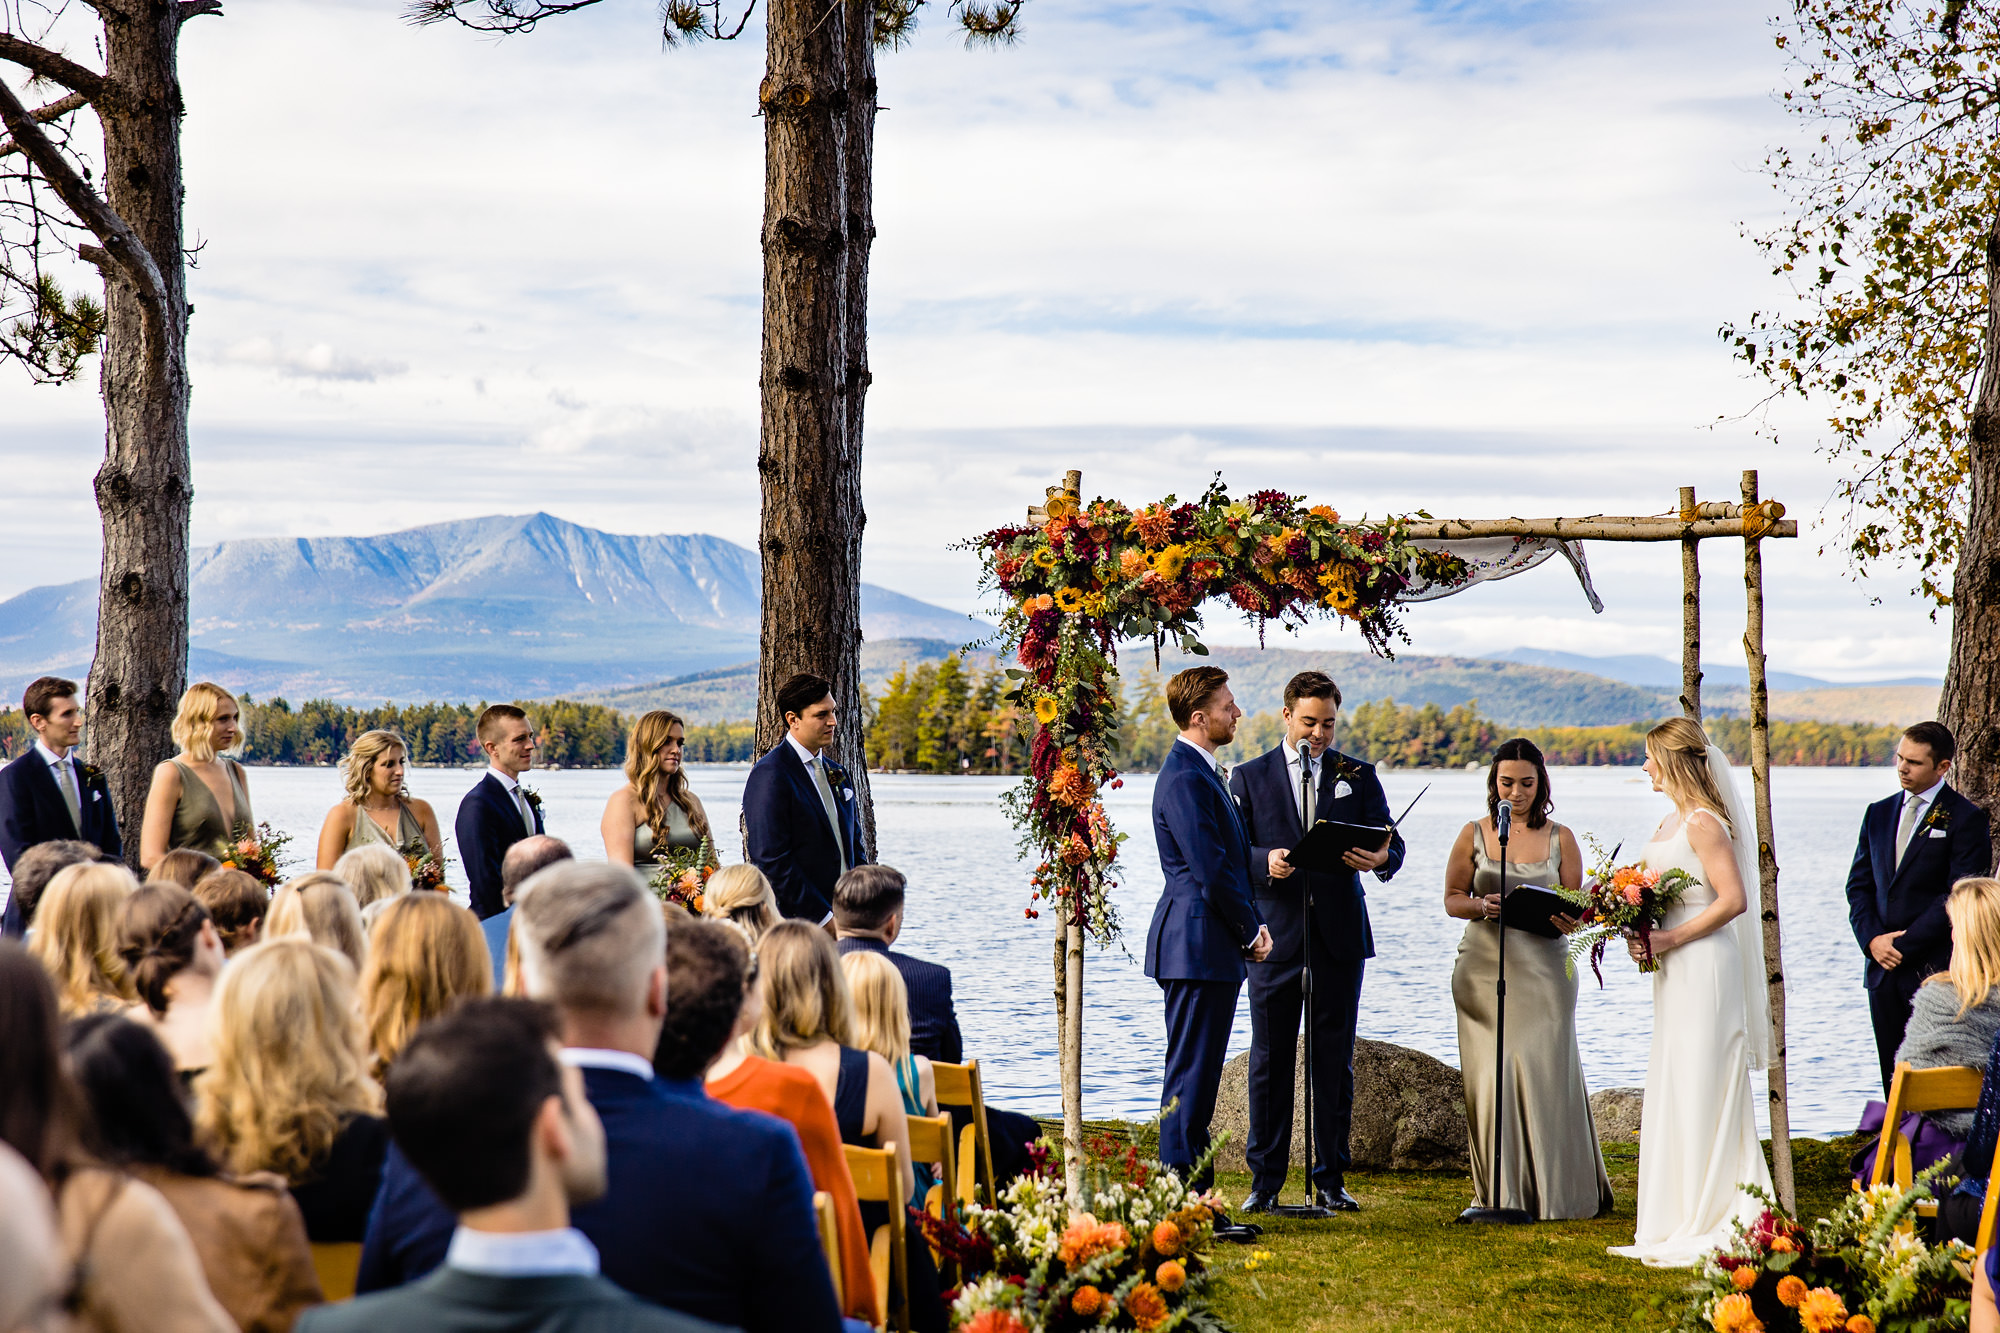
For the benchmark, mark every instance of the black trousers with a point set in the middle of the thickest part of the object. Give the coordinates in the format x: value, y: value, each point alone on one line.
x: 1277, y: 1002
x: 1889, y: 1010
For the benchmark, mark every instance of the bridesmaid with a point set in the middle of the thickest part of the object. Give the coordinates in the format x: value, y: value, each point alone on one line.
x: 378, y: 807
x: 199, y: 798
x: 1552, y: 1166
x: 655, y: 808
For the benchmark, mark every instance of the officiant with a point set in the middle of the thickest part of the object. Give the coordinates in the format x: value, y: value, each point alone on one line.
x: 1281, y: 794
x: 1551, y: 1166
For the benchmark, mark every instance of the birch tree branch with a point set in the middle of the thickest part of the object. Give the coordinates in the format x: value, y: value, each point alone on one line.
x: 44, y: 63
x: 42, y: 115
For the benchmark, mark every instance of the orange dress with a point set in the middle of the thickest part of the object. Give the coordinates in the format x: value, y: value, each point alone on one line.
x: 794, y: 1095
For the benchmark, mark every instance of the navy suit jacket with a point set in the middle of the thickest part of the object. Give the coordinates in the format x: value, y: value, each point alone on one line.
x: 933, y: 1023
x: 1206, y: 915
x: 32, y: 811
x: 785, y: 833
x: 1270, y: 807
x: 487, y: 825
x: 1952, y: 842
x: 709, y: 1211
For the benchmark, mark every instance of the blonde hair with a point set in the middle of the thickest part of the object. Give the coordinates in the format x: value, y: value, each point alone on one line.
x: 881, y: 1005
x: 76, y: 936
x: 805, y: 994
x: 741, y: 896
x: 374, y: 870
x: 1678, y: 748
x: 319, y: 906
x: 357, y: 766
x: 1974, y: 909
x: 290, y: 1059
x: 426, y: 953
x: 652, y: 791
x: 199, y: 705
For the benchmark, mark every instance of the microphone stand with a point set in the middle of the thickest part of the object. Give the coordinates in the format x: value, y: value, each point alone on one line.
x: 1493, y: 1212
x: 1309, y: 1210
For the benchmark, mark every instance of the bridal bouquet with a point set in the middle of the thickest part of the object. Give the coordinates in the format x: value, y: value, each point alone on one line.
x: 680, y: 875
x: 258, y: 855
x: 427, y: 871
x: 1622, y: 902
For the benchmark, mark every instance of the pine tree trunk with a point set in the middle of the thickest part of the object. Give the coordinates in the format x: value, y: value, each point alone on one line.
x: 143, y: 489
x: 818, y: 100
x: 1971, y: 702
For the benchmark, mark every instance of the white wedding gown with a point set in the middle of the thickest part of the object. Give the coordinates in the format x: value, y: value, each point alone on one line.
x: 1697, y: 1132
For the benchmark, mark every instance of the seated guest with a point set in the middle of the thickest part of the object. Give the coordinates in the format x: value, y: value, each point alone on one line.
x: 237, y: 904
x: 522, y: 860
x: 868, y: 915
x: 742, y: 896
x: 246, y: 1229
x: 201, y: 797
x: 319, y: 906
x: 593, y: 942
x: 1955, y: 1015
x: 33, y: 1272
x: 376, y: 874
x: 131, y: 1265
x: 76, y: 937
x: 882, y: 1025
x: 33, y: 870
x: 712, y: 1008
x: 500, y: 1129
x: 183, y: 866
x: 289, y: 1090
x: 378, y: 810
x: 427, y: 954
x: 173, y: 956
x: 47, y: 793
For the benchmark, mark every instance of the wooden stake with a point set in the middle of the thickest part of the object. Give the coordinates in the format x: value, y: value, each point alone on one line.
x: 1072, y: 1074
x: 1766, y: 521
x: 1690, y: 613
x: 1767, y: 859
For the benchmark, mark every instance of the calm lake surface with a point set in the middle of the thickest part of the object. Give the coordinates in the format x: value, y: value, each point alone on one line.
x: 968, y: 891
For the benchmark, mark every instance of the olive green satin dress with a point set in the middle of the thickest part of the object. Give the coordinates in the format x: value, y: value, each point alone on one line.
x: 198, y: 819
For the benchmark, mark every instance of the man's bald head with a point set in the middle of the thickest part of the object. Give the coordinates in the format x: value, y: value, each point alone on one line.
x: 527, y: 856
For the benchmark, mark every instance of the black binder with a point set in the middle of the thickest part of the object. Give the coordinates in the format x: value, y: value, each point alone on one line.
x: 1330, y: 839
x: 1527, y: 907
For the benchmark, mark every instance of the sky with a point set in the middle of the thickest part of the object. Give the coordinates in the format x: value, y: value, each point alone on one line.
x: 1468, y: 258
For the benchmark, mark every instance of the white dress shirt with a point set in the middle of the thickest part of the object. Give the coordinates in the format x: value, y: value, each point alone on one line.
x: 597, y: 1057
x: 522, y: 1253
x: 1207, y: 756
x: 515, y: 797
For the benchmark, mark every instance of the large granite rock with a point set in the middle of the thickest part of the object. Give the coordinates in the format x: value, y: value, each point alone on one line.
x: 1616, y: 1111
x: 1409, y: 1111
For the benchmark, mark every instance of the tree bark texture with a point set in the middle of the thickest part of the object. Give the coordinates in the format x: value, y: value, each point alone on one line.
x: 1690, y: 614
x: 818, y: 102
x: 1971, y: 702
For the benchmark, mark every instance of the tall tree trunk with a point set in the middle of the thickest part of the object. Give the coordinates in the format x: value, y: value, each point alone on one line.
x: 143, y: 489
x: 1971, y: 702
x: 817, y: 221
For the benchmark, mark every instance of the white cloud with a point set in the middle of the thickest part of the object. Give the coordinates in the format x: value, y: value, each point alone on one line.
x: 317, y: 362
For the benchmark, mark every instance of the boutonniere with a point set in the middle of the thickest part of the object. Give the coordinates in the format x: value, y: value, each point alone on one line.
x: 1940, y: 817
x: 90, y: 772
x: 532, y: 797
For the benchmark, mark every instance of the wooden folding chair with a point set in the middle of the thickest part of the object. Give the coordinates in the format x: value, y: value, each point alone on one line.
x: 958, y: 1085
x: 1952, y: 1088
x: 1987, y: 1215
x: 338, y: 1264
x: 829, y: 1241
x: 930, y: 1141
x: 878, y: 1178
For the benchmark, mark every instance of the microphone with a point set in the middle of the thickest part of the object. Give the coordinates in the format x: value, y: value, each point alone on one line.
x: 1305, y: 752
x: 1503, y: 819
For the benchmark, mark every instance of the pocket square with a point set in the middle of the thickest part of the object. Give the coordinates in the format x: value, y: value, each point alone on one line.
x: 847, y: 793
x: 1341, y: 789
x: 1937, y: 833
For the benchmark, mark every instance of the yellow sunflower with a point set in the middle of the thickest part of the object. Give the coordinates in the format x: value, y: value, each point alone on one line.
x: 1169, y: 563
x: 1069, y: 599
x: 1046, y: 558
x: 1046, y: 709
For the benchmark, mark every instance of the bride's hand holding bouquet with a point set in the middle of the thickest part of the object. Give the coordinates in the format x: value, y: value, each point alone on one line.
x: 1626, y: 902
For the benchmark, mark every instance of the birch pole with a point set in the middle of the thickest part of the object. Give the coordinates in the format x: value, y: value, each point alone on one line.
x: 1690, y: 612
x: 1767, y: 859
x: 1070, y: 962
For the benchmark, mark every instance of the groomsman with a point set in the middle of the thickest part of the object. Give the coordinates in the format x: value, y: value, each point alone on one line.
x: 48, y: 794
x: 1914, y: 846
x: 801, y: 824
x: 498, y: 812
x: 1281, y: 796
x: 1206, y: 923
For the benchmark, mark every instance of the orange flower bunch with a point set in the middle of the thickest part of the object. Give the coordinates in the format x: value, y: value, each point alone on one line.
x: 1153, y: 525
x: 1631, y: 883
x: 1069, y: 787
x: 1086, y: 1238
x: 994, y: 1321
x: 1171, y: 1275
x: 1146, y: 1305
x: 1732, y: 1314
x: 1167, y: 1238
x: 1086, y: 1301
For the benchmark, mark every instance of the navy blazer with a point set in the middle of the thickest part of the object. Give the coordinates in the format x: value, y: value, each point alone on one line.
x: 934, y: 1030
x: 709, y: 1211
x: 487, y: 825
x: 32, y: 811
x: 785, y: 833
x: 1953, y: 841
x: 1270, y: 807
x: 1206, y: 915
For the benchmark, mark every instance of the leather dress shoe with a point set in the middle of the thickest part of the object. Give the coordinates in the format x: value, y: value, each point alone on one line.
x: 1259, y: 1202
x: 1337, y: 1198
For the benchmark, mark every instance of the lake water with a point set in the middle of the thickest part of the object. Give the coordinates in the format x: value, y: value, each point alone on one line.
x: 968, y: 891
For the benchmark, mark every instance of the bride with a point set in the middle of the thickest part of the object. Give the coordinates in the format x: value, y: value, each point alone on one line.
x: 1711, y: 1019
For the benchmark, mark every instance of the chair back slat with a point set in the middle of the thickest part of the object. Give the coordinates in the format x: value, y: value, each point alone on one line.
x: 959, y: 1085
x: 338, y: 1264
x: 1987, y: 1216
x: 878, y: 1178
x: 1951, y: 1088
x: 829, y: 1242
x: 931, y: 1140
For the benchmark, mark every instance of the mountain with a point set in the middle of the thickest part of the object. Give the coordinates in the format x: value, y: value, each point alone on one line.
x: 503, y: 607
x: 1660, y: 673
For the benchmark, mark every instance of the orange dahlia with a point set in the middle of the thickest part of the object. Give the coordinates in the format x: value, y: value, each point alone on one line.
x: 1146, y: 1306
x: 1744, y: 1278
x: 1822, y: 1311
x: 1791, y: 1291
x: 1086, y: 1238
x: 1860, y: 1323
x: 1170, y: 1275
x: 1167, y: 1238
x: 993, y: 1321
x: 1732, y: 1314
x: 1086, y: 1302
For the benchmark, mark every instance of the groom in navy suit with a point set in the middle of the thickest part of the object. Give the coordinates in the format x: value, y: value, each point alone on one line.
x: 1272, y: 792
x: 1206, y: 923
x: 1914, y: 846
x: 498, y: 812
x: 48, y: 794
x: 801, y: 823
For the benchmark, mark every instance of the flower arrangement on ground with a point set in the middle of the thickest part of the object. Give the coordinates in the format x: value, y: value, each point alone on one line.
x: 259, y: 855
x: 680, y: 874
x: 1622, y: 902
x: 1860, y: 1270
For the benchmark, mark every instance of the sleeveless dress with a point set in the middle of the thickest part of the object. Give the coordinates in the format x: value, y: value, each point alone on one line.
x: 198, y: 819
x: 910, y: 1084
x: 1698, y: 1131
x: 1550, y: 1164
x: 680, y: 834
x: 409, y: 840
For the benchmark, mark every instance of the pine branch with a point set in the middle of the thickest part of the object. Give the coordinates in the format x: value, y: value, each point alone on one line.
x: 508, y: 16
x: 42, y: 115
x: 46, y: 64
